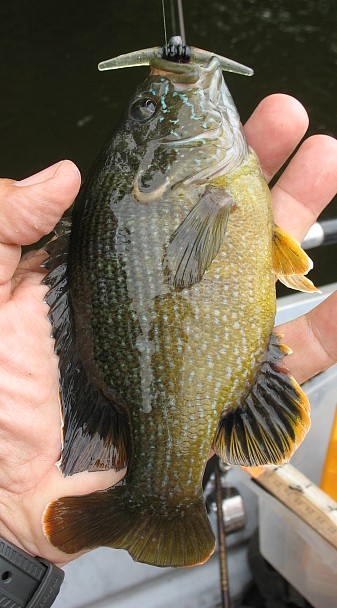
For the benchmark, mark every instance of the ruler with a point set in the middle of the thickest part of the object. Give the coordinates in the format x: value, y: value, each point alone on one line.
x: 301, y: 496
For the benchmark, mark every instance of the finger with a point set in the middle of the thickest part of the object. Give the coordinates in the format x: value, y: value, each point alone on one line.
x: 9, y: 259
x: 14, y: 269
x: 30, y: 268
x: 307, y: 185
x: 31, y: 208
x: 313, y: 340
x: 275, y: 129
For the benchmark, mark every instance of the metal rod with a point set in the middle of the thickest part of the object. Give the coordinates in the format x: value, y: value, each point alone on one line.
x: 321, y: 233
x: 181, y: 21
x: 173, y: 20
x: 224, y: 581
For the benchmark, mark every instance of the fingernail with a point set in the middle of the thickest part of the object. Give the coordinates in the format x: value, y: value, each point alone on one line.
x: 47, y: 173
x: 67, y: 165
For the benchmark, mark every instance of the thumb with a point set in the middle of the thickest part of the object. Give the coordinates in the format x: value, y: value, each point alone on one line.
x: 29, y: 209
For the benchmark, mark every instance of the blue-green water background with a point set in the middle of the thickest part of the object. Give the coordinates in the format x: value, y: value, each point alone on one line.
x: 55, y: 104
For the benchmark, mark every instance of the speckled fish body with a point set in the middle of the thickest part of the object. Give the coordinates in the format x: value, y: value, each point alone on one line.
x: 163, y: 305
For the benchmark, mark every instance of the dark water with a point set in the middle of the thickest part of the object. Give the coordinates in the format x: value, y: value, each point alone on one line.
x: 55, y: 104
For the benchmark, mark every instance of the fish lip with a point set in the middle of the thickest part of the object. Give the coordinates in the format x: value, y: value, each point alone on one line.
x: 185, y: 75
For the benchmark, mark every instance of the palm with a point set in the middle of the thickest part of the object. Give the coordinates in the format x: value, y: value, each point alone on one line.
x: 29, y: 386
x: 29, y: 410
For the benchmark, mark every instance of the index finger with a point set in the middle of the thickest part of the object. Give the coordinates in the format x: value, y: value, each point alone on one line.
x: 306, y: 186
x: 275, y: 129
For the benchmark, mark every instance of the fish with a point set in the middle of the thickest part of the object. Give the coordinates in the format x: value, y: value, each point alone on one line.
x: 162, y: 303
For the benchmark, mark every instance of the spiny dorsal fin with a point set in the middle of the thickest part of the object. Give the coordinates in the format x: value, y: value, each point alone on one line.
x: 198, y: 239
x: 290, y: 262
x: 94, y: 429
x: 271, y: 422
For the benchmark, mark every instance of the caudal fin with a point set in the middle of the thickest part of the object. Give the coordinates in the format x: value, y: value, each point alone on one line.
x: 152, y: 533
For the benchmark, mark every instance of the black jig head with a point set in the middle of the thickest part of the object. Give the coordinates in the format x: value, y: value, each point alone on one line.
x: 176, y: 51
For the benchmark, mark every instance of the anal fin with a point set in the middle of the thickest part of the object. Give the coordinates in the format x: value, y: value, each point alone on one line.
x: 95, y: 429
x: 268, y: 426
x: 290, y: 262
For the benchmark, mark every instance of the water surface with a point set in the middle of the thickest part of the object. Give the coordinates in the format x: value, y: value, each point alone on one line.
x: 55, y: 104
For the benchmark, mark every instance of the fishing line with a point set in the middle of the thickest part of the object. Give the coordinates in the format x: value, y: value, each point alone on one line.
x: 223, y: 561
x: 174, y: 19
x: 164, y: 20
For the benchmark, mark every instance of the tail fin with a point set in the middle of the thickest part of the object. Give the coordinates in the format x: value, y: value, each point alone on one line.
x: 151, y: 532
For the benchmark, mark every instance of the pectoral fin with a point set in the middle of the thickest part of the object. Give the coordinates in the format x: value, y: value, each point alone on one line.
x: 271, y: 422
x: 290, y: 262
x: 198, y: 239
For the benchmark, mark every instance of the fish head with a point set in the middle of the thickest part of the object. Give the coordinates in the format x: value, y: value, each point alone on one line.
x: 185, y: 124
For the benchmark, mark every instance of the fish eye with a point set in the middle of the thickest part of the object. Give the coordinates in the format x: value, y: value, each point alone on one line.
x: 143, y: 109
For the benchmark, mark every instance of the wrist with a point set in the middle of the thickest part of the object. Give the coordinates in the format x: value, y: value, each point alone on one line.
x: 27, y: 581
x: 10, y: 522
x: 21, y: 525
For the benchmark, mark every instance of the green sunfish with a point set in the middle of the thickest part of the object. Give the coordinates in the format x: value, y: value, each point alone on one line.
x: 162, y: 302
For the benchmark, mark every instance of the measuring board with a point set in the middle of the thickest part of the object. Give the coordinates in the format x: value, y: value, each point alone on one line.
x: 301, y: 496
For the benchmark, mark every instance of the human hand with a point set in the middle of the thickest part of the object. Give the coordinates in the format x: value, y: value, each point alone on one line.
x: 29, y: 409
x: 30, y: 428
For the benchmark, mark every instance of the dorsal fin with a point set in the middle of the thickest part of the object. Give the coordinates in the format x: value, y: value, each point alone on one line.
x: 94, y: 427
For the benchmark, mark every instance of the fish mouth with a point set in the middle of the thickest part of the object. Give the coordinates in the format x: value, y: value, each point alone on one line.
x: 184, y: 74
x: 208, y: 77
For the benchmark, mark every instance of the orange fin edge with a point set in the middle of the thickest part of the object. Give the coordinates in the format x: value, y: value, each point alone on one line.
x: 290, y: 262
